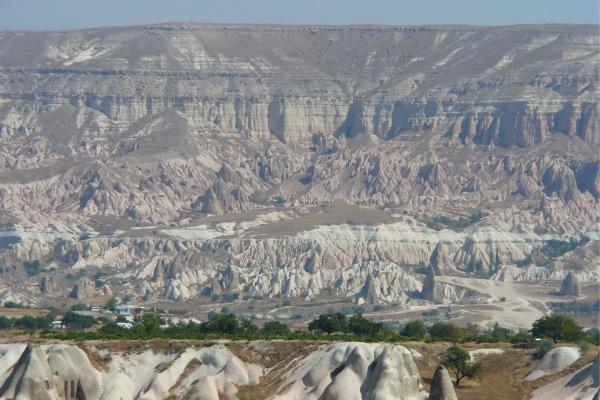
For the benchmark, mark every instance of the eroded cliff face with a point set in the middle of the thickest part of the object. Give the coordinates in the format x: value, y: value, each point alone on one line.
x: 121, y: 148
x: 508, y: 86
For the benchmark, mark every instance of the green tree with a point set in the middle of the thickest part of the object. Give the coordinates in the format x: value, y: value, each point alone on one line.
x: 150, y: 326
x: 328, y: 323
x: 359, y: 325
x: 459, y: 360
x: 247, y: 326
x: 442, y: 331
x: 274, y: 328
x: 78, y: 307
x: 32, y: 267
x: 111, y: 304
x: 221, y: 323
x: 414, y: 329
x: 557, y: 327
x: 73, y: 320
x: 5, y: 323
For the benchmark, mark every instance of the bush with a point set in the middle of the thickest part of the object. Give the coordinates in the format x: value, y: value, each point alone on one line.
x: 431, y: 313
x: 584, y: 346
x: 495, y: 334
x: 414, y: 330
x: 78, y: 307
x: 12, y: 304
x: 440, y: 222
x: 593, y: 336
x: 575, y: 307
x: 441, y: 331
x: 5, y: 323
x: 229, y: 297
x: 247, y: 327
x: 522, y: 337
x: 33, y: 323
x: 274, y: 328
x: 543, y: 347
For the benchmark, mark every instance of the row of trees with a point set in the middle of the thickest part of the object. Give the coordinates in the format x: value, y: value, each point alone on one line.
x: 70, y: 320
x: 326, y: 326
x: 338, y: 327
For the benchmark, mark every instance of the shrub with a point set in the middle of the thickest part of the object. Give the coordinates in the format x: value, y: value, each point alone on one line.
x: 33, y: 323
x: 12, y: 304
x: 431, y: 313
x: 584, y: 346
x: 229, y: 297
x: 5, y: 323
x: 414, y: 330
x: 247, y: 327
x: 593, y: 336
x: 543, y: 347
x: 274, y: 328
x: 441, y: 331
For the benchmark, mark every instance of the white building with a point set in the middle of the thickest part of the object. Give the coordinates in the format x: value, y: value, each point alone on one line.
x: 125, y: 325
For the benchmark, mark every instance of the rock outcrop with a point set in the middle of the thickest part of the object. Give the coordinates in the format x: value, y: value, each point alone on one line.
x: 440, y: 292
x: 440, y: 261
x: 51, y: 373
x: 83, y: 289
x: 441, y: 387
x: 582, y: 384
x: 138, y: 166
x: 570, y: 285
x: 554, y: 361
x: 353, y: 371
x: 50, y: 287
x: 56, y: 372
